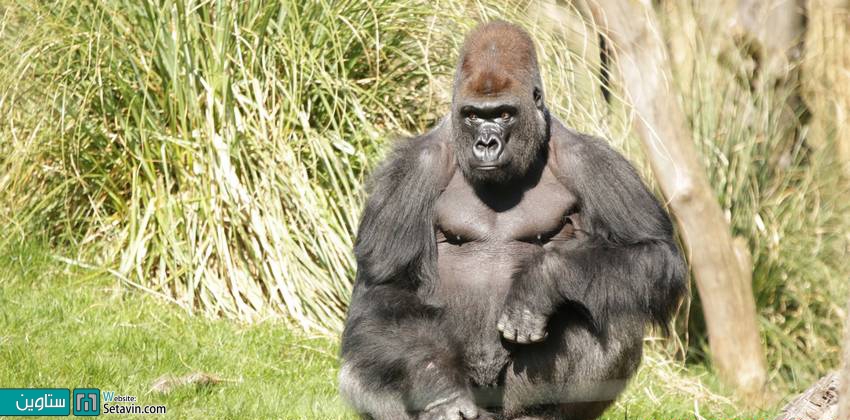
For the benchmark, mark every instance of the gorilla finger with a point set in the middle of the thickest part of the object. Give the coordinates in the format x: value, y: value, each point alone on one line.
x: 521, y: 338
x: 433, y: 415
x: 469, y: 410
x: 510, y: 334
x: 536, y: 337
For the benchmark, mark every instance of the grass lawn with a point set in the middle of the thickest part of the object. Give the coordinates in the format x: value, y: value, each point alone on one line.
x: 63, y: 327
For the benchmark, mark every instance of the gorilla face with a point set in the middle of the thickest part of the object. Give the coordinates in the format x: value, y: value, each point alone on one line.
x: 499, y: 121
x: 498, y: 139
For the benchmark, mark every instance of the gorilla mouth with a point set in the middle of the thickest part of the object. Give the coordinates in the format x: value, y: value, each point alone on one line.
x: 488, y: 167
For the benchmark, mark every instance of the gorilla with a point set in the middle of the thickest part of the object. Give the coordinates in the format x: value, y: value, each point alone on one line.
x: 507, y: 266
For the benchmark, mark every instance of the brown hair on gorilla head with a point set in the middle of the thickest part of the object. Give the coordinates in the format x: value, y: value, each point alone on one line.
x: 497, y: 57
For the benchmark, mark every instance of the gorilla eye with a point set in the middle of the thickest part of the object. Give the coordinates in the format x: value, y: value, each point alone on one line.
x: 472, y: 116
x: 506, y: 115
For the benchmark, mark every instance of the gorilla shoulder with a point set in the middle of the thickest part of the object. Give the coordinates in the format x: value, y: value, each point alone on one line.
x: 571, y: 148
x: 608, y: 186
x: 423, y: 158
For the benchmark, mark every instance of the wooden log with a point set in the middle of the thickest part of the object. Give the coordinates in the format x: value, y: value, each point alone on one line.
x: 819, y: 402
x: 724, y: 285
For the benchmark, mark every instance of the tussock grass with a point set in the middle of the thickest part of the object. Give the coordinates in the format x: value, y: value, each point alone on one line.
x: 215, y: 151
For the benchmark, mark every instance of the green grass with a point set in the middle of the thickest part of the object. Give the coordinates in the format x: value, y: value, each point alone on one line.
x: 61, y: 327
x: 66, y: 327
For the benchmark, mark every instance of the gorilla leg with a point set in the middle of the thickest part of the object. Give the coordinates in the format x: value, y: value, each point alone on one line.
x: 370, y: 401
x: 575, y: 374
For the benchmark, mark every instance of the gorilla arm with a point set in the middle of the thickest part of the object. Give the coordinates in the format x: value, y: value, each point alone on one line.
x: 625, y: 262
x: 392, y: 341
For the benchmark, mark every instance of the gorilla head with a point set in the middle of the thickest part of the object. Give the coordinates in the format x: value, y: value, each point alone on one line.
x: 499, y: 121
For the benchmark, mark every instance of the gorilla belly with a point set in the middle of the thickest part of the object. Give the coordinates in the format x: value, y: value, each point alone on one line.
x: 480, y: 267
x: 474, y: 278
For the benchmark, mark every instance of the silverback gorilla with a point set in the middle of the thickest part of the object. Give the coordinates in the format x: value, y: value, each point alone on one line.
x: 507, y: 266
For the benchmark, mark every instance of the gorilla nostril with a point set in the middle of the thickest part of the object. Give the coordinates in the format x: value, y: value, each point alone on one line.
x: 487, y: 144
x: 488, y: 148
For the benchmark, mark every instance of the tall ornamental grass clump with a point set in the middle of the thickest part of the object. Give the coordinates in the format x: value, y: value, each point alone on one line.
x: 214, y: 152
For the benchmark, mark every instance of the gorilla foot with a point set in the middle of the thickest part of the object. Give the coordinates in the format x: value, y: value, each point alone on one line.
x: 458, y: 407
x: 522, y: 326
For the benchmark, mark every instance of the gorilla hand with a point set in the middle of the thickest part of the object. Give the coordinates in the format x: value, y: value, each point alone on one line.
x: 457, y: 407
x: 519, y: 324
x: 530, y: 301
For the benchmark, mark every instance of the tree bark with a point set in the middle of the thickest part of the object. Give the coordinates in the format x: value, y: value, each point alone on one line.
x: 723, y: 283
x: 826, y: 79
x: 776, y: 27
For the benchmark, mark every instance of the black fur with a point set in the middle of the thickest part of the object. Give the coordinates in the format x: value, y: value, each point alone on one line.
x: 422, y: 340
x: 625, y: 234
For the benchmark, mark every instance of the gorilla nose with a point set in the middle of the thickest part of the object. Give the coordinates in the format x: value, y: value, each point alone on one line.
x: 487, y: 148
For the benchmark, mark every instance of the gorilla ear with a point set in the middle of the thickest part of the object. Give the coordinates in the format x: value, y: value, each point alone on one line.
x: 538, y: 97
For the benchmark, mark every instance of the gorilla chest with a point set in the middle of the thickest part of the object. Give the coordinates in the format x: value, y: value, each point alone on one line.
x: 482, y: 236
x: 482, y: 239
